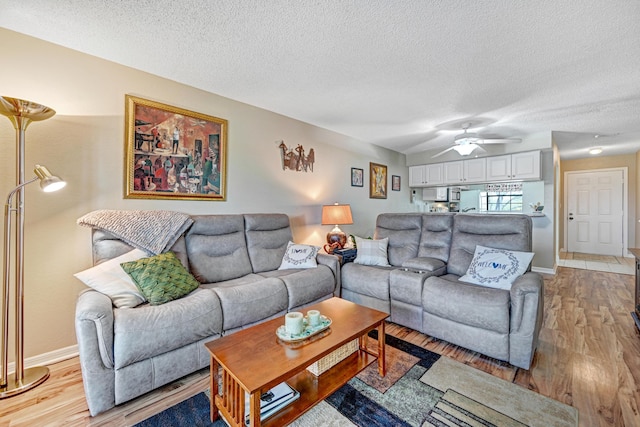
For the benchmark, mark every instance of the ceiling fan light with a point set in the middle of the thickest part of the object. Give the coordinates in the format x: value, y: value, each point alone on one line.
x: 465, y: 149
x: 595, y: 151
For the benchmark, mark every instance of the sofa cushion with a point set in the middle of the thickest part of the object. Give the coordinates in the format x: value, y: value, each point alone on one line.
x: 250, y: 299
x: 468, y: 304
x: 217, y: 249
x: 435, y: 240
x: 305, y: 285
x: 496, y: 268
x: 299, y: 256
x: 403, y: 231
x: 508, y: 231
x: 267, y: 236
x: 366, y: 280
x: 110, y: 279
x: 161, y: 278
x: 150, y: 330
x: 372, y: 252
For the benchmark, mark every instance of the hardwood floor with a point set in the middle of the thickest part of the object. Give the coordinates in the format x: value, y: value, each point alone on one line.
x: 588, y: 357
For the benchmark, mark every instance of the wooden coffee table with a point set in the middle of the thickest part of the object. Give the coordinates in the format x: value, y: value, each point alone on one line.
x: 254, y: 360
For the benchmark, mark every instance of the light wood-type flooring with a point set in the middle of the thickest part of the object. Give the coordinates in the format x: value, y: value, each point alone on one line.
x: 588, y: 357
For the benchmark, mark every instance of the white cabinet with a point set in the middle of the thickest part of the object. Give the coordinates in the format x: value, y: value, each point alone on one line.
x: 426, y: 175
x: 525, y: 165
x: 416, y: 176
x: 475, y: 170
x: 454, y: 172
x: 465, y: 171
x: 519, y: 166
x: 499, y: 168
x: 434, y: 174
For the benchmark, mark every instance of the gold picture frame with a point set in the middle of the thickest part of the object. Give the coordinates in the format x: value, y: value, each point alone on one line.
x: 377, y: 181
x: 173, y: 153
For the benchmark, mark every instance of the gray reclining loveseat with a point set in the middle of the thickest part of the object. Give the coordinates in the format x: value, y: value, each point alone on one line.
x: 126, y: 352
x: 420, y: 289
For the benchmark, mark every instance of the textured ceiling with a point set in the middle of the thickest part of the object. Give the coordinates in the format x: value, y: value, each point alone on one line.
x: 403, y: 74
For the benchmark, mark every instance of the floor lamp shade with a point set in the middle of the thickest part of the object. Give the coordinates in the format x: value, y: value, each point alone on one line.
x: 336, y: 214
x: 21, y: 113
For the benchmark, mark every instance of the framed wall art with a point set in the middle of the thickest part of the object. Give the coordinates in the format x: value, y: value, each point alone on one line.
x: 395, y: 182
x: 172, y: 153
x: 357, y: 177
x: 377, y: 181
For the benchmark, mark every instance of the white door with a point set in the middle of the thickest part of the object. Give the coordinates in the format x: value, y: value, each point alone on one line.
x: 595, y: 212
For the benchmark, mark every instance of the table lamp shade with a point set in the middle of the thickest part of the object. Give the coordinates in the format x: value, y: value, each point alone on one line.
x: 336, y: 214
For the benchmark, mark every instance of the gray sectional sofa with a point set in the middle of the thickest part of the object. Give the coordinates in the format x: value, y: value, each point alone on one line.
x: 126, y: 352
x: 420, y: 289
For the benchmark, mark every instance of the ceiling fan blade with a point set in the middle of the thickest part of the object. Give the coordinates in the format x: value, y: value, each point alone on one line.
x: 441, y: 153
x: 500, y: 141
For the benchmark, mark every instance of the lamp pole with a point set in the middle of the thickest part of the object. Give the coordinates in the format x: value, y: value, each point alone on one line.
x: 21, y: 113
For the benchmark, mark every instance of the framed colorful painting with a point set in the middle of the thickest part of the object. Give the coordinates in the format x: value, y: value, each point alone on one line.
x: 377, y: 181
x: 172, y: 153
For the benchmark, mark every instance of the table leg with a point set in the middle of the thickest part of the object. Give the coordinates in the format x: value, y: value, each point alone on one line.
x: 254, y: 410
x: 382, y: 369
x: 213, y: 387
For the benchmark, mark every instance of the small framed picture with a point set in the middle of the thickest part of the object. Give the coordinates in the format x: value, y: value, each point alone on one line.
x: 377, y: 181
x: 357, y: 177
x: 395, y: 182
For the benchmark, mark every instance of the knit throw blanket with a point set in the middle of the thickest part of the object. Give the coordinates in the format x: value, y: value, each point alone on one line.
x: 151, y: 231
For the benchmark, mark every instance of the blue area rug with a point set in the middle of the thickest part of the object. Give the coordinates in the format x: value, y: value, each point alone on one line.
x: 411, y: 394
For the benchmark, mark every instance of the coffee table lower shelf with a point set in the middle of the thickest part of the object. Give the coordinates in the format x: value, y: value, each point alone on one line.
x: 313, y: 389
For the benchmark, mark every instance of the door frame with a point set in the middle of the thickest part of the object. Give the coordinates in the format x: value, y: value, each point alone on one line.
x: 625, y: 205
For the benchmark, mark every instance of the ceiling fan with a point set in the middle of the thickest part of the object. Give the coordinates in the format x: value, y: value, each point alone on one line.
x: 467, y: 142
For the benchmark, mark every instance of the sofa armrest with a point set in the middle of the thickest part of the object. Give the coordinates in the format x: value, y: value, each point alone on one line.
x: 527, y: 296
x: 333, y: 262
x: 94, y: 331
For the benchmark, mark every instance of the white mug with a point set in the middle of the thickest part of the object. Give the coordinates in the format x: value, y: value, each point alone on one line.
x: 294, y: 323
x: 314, y: 317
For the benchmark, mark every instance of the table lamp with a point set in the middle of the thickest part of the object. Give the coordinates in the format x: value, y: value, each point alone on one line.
x: 336, y: 214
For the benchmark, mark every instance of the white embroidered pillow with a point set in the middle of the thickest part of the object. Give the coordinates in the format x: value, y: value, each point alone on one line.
x: 372, y: 252
x: 496, y: 268
x: 110, y: 279
x: 299, y: 256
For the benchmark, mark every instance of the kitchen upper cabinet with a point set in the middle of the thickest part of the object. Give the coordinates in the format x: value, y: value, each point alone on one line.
x: 475, y: 170
x: 499, y: 168
x: 519, y: 166
x: 416, y: 176
x: 525, y: 165
x: 454, y: 172
x: 426, y: 175
x: 465, y: 171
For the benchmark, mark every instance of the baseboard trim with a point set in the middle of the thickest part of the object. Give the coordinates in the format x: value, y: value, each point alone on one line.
x: 543, y: 270
x: 48, y: 358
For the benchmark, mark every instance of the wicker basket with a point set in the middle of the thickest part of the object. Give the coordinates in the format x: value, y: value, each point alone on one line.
x: 333, y: 358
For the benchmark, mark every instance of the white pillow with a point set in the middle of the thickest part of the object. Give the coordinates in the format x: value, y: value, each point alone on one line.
x: 496, y: 268
x: 299, y: 256
x: 110, y: 279
x: 372, y: 252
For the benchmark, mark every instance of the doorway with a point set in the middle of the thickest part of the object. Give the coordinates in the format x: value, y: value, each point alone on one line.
x: 596, y: 211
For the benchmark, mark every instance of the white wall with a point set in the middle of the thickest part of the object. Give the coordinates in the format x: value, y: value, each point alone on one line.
x: 84, y: 143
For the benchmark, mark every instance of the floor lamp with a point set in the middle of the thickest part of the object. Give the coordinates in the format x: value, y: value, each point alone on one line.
x: 21, y: 113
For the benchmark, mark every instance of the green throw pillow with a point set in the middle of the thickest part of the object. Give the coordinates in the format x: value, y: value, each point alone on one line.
x: 161, y: 278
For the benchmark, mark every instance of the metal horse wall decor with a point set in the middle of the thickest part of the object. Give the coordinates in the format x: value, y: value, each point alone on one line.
x: 295, y: 158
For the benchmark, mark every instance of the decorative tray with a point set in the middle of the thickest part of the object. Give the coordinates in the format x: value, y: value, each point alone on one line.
x: 308, y: 331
